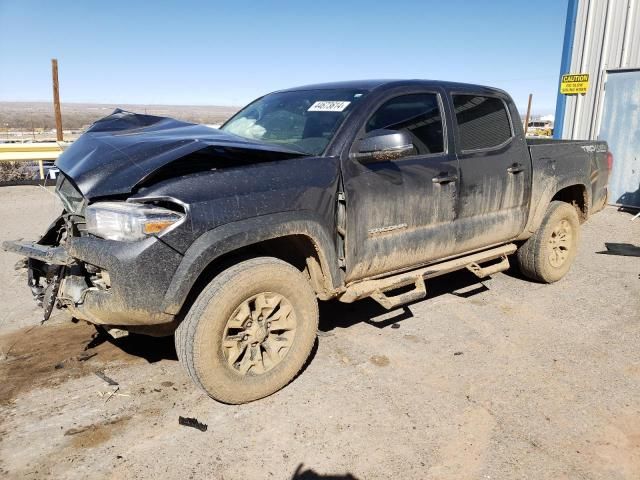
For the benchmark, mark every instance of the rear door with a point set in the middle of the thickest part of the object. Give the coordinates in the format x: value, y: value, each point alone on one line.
x: 397, y: 214
x: 495, y: 168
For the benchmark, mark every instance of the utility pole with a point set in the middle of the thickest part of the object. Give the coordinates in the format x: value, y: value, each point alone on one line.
x: 33, y: 130
x: 526, y: 119
x: 56, y: 99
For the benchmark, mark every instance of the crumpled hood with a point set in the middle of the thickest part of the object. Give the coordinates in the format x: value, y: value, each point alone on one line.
x: 123, y: 149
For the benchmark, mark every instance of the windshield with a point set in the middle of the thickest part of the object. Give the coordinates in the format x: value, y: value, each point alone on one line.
x: 303, y: 120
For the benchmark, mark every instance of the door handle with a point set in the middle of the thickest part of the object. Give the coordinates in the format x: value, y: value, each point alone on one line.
x: 515, y: 168
x: 444, y: 178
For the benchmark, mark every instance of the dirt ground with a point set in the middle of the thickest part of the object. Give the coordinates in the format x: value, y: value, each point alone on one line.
x: 499, y: 379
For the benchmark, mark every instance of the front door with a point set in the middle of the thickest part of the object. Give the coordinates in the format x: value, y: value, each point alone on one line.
x: 400, y: 212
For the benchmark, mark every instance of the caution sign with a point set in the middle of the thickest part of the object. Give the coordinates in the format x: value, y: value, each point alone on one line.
x: 574, y: 84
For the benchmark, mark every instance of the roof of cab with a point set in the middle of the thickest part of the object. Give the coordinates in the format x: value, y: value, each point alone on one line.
x: 369, y: 85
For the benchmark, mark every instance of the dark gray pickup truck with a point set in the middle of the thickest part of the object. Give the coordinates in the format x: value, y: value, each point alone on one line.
x: 345, y: 190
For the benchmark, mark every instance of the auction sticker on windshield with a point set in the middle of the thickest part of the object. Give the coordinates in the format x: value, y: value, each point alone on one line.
x: 328, y: 106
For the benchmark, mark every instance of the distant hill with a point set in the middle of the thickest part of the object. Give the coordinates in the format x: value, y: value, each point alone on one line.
x: 39, y: 115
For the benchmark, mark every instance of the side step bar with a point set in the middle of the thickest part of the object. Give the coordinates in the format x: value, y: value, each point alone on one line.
x: 483, y: 272
x: 376, y: 288
x: 420, y: 291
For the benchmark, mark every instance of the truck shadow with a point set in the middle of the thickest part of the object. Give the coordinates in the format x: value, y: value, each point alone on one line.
x: 152, y: 349
x: 333, y: 314
x: 309, y: 474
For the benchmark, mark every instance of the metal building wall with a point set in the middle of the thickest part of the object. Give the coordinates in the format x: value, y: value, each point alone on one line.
x: 620, y: 127
x: 600, y: 35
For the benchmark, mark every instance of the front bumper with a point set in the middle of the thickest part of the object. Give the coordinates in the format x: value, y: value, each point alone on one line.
x: 52, y: 255
x: 139, y: 275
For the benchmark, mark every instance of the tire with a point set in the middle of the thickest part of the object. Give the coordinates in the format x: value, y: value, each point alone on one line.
x: 250, y: 331
x: 548, y: 254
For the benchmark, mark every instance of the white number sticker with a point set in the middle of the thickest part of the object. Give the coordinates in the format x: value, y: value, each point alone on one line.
x: 328, y: 106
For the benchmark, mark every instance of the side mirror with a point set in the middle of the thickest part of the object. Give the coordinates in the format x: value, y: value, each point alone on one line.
x: 384, y: 145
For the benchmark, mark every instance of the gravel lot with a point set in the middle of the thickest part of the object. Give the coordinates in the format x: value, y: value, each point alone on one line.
x: 499, y: 379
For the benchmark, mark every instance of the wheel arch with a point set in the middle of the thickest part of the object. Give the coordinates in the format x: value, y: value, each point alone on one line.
x: 571, y: 190
x: 577, y: 196
x: 300, y: 241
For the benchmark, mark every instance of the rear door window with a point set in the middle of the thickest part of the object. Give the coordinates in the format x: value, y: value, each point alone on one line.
x: 417, y: 114
x: 483, y: 122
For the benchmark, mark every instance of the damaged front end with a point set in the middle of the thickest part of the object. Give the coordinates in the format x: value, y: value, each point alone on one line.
x: 49, y: 264
x: 71, y: 268
x: 56, y: 278
x: 111, y: 257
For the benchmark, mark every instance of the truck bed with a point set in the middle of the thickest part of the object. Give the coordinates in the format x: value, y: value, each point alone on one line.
x: 556, y: 163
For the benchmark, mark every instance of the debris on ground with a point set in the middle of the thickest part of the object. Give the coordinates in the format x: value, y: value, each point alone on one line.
x: 83, y: 357
x: 112, y: 394
x: 457, y: 353
x: 116, y: 333
x: 322, y: 334
x: 379, y: 360
x: 75, y: 431
x: 110, y: 381
x: 193, y: 423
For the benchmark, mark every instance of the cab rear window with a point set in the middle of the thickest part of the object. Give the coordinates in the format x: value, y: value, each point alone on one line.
x: 483, y: 122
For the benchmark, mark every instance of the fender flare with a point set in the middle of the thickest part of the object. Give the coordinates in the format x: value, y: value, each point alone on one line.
x: 537, y: 211
x: 226, y: 238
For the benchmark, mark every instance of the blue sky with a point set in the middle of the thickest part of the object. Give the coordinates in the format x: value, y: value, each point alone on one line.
x: 227, y: 53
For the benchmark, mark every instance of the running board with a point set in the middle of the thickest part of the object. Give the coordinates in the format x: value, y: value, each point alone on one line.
x: 483, y: 272
x: 376, y: 288
x: 420, y: 291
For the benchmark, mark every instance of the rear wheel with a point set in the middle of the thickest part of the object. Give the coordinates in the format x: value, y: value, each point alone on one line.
x: 250, y: 331
x: 547, y: 255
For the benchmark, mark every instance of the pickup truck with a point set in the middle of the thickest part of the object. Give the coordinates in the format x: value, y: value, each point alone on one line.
x: 229, y: 237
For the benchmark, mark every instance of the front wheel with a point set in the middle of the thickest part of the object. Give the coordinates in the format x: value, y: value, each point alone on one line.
x: 548, y: 254
x: 250, y: 331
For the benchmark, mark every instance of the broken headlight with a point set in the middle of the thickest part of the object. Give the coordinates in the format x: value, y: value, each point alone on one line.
x: 71, y: 198
x: 128, y: 221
